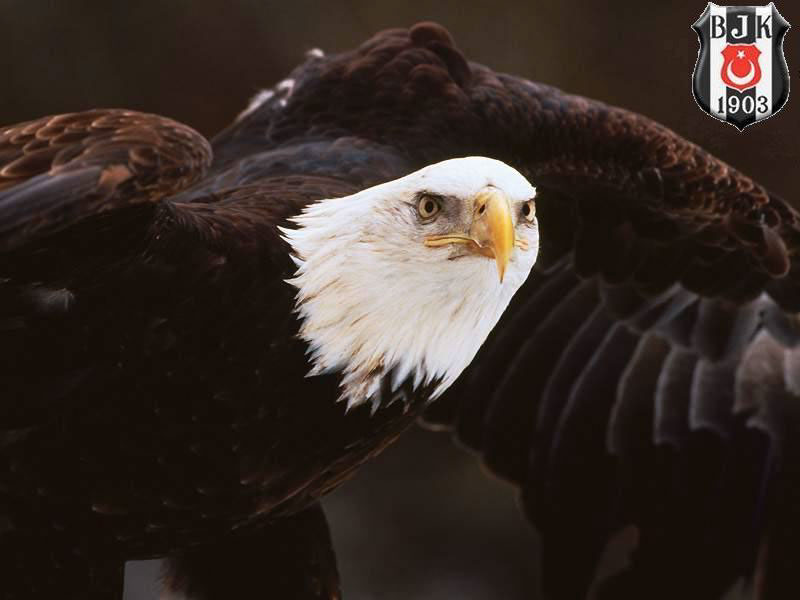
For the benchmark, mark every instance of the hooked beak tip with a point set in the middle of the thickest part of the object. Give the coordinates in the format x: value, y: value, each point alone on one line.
x: 493, y: 227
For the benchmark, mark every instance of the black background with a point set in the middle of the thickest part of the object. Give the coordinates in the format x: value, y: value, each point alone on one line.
x: 421, y: 522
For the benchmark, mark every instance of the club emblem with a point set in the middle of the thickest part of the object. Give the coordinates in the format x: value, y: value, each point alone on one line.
x: 741, y: 75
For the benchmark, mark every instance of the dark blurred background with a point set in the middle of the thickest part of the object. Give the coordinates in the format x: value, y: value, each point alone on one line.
x: 422, y: 521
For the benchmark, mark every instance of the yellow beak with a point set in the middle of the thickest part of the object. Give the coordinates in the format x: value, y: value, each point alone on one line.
x: 492, y: 228
x: 491, y: 233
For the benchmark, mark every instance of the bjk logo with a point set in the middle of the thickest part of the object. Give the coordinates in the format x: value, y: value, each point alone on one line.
x: 741, y: 75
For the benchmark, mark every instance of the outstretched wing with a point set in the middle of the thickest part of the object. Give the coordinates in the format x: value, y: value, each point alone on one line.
x: 78, y: 193
x: 646, y: 373
x: 671, y: 412
x: 104, y: 275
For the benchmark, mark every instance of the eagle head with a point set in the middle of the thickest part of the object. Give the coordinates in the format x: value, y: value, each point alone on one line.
x: 407, y: 278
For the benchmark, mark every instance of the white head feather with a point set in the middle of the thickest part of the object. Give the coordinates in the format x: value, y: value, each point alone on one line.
x: 374, y: 299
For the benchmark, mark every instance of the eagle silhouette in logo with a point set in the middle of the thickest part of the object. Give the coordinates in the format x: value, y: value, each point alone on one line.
x: 199, y: 340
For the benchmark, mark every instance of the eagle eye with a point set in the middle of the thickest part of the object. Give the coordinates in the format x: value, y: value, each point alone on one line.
x: 529, y: 211
x: 428, y: 206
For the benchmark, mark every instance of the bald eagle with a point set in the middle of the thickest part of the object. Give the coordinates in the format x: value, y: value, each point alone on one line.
x: 199, y: 341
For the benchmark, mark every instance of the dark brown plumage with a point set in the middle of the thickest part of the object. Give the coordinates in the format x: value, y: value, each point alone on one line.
x: 153, y: 399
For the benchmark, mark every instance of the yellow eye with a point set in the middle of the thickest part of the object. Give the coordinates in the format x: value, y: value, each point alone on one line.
x: 428, y: 206
x: 529, y: 211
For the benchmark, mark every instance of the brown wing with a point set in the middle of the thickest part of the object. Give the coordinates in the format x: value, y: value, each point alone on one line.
x: 57, y: 170
x: 646, y: 374
x: 123, y: 290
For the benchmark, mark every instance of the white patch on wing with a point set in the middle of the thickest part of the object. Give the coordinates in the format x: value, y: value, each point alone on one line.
x: 374, y: 299
x: 315, y: 53
x: 283, y: 91
x: 255, y: 102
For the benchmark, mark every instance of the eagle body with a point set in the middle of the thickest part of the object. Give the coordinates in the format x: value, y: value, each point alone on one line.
x: 155, y: 397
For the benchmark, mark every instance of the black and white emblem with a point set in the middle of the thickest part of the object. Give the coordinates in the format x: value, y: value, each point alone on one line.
x: 741, y: 74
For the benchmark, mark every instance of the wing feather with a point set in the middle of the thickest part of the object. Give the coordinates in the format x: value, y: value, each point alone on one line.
x: 519, y: 417
x: 185, y: 277
x: 57, y: 170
